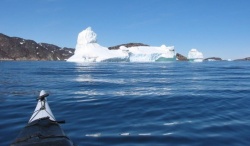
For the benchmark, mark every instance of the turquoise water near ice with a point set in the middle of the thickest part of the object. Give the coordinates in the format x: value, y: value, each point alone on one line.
x: 171, y: 103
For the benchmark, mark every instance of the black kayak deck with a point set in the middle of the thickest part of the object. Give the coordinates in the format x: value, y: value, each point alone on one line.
x: 42, y: 132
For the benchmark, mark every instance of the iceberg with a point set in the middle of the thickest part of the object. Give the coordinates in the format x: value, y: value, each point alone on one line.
x: 88, y: 50
x: 195, y: 55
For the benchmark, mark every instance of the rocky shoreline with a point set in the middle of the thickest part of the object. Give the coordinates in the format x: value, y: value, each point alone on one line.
x: 15, y: 48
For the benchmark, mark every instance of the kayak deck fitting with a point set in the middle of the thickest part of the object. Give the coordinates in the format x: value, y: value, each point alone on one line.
x: 42, y: 128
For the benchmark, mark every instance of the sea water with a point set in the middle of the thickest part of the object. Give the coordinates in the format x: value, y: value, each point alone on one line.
x: 132, y: 104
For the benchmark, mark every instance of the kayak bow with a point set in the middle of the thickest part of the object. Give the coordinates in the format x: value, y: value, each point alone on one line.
x: 42, y: 108
x: 42, y: 128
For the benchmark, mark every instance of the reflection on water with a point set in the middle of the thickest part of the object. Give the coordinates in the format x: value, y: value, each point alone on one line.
x: 124, y: 104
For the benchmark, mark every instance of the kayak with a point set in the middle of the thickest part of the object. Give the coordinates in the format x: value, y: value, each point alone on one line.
x: 42, y: 128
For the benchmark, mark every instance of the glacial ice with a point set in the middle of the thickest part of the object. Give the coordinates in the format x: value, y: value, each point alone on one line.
x: 88, y: 50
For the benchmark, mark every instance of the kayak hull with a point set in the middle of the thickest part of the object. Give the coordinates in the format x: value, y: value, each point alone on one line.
x: 42, y: 132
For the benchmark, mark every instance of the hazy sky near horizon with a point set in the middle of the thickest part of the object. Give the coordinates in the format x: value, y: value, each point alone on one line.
x: 219, y: 28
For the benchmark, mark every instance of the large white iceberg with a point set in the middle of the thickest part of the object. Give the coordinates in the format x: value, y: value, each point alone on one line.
x: 88, y: 50
x: 195, y: 55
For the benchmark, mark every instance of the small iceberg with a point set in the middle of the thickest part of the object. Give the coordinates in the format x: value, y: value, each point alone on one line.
x: 195, y: 56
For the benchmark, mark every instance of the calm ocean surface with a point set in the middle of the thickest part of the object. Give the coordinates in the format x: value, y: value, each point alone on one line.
x: 132, y: 104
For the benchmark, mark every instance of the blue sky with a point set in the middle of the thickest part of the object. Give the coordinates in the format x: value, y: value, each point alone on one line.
x: 214, y: 27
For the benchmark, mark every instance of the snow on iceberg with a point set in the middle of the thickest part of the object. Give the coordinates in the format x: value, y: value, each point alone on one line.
x: 195, y: 55
x: 88, y: 50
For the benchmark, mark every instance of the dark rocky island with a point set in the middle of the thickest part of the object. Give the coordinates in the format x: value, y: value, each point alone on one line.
x: 244, y: 59
x: 181, y: 57
x: 213, y: 59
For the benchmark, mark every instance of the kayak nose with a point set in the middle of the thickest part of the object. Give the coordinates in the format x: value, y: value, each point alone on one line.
x: 42, y: 95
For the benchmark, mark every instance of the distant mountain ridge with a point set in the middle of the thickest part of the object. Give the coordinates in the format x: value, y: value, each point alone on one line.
x: 15, y: 48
